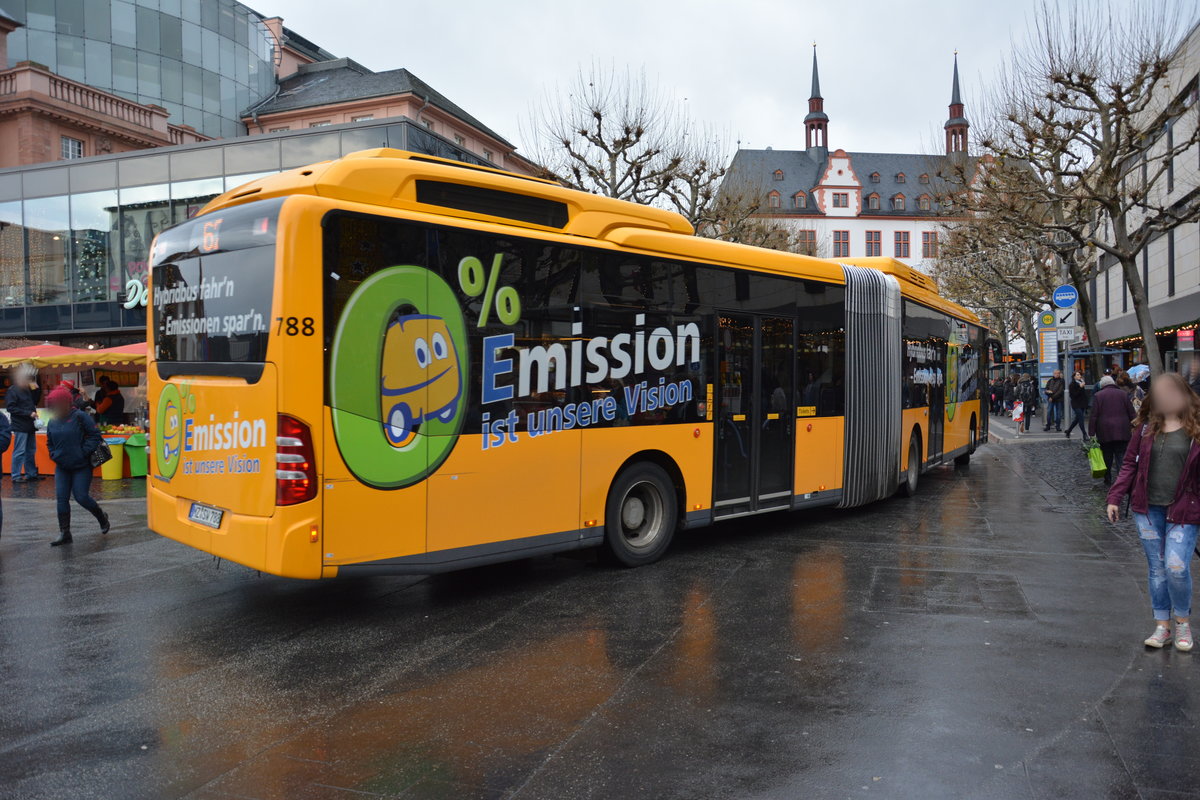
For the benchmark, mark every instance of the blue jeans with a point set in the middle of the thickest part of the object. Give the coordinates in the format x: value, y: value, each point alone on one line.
x: 1169, y: 547
x: 24, y: 454
x: 76, y: 482
x: 1078, y: 419
x: 1054, y: 414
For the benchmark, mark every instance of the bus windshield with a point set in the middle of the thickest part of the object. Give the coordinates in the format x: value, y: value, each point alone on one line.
x: 213, y: 278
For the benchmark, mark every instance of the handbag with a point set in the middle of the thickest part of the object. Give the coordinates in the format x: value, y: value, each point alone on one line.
x: 101, y: 455
x: 1096, y: 459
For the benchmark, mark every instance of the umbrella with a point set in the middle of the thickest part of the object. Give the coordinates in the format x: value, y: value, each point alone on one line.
x: 1139, y: 372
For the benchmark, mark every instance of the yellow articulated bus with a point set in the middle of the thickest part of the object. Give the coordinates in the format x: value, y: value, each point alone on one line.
x: 396, y: 363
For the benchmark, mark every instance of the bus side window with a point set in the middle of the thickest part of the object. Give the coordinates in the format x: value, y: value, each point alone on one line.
x: 821, y: 351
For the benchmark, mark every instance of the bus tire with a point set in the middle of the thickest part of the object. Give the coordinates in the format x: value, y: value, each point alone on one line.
x: 965, y: 458
x: 912, y: 475
x: 640, y: 515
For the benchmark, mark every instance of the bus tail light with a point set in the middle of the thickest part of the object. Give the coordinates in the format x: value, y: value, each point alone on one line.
x: 295, y: 466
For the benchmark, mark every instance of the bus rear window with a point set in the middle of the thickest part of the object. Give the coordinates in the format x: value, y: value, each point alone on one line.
x: 213, y: 281
x: 214, y: 308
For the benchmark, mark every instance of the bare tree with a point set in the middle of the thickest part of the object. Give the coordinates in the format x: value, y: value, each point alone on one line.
x: 1011, y: 244
x: 1005, y: 277
x: 1093, y: 112
x: 610, y: 132
x: 699, y: 165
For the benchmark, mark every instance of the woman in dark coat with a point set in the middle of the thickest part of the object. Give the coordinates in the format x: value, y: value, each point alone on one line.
x: 1078, y: 393
x: 72, y: 437
x: 1112, y: 413
x: 1161, y: 475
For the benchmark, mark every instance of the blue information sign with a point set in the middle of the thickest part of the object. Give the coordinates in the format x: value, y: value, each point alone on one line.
x: 1065, y: 296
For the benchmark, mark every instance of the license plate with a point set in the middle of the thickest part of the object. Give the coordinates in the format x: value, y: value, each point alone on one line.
x: 206, y: 515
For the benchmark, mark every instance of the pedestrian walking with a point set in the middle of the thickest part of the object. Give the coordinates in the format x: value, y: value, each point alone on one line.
x: 997, y: 392
x: 1010, y: 392
x: 1161, y: 475
x: 1027, y: 393
x: 1054, y: 401
x: 1112, y: 412
x: 72, y: 437
x: 1078, y: 394
x: 21, y: 404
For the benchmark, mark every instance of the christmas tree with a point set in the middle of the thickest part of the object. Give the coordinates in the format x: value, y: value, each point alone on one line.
x: 91, y: 265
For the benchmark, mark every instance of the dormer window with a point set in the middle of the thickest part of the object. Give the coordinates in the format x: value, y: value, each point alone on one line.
x: 800, y: 200
x: 873, y: 202
x: 874, y: 177
x: 898, y: 203
x: 924, y: 179
x: 924, y: 203
x: 778, y: 174
x: 773, y: 200
x: 900, y: 177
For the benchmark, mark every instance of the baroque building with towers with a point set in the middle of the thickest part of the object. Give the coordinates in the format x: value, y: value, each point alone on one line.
x: 843, y: 204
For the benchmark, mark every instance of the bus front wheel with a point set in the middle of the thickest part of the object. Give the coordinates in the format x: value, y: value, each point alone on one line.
x: 912, y: 475
x: 640, y: 516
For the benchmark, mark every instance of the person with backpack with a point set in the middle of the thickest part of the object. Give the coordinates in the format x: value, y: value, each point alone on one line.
x: 1161, y: 475
x: 72, y: 437
x: 1027, y: 393
x: 1112, y: 411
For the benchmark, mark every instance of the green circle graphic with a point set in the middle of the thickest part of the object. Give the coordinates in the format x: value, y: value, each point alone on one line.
x: 168, y: 431
x: 355, y: 378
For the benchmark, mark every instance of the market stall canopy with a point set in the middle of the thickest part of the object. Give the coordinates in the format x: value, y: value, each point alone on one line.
x: 123, y: 357
x: 37, y: 354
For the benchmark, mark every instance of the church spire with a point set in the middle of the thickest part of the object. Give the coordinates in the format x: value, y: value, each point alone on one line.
x: 816, y: 124
x: 956, y: 125
x: 816, y: 80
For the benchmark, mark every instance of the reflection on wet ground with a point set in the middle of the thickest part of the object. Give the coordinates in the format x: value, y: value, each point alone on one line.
x: 982, y: 640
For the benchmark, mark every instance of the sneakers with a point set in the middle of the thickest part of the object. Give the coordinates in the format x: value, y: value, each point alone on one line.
x: 1162, y: 637
x: 1183, y: 636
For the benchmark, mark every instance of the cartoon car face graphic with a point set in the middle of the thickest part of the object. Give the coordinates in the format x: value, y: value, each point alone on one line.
x: 420, y: 376
x: 168, y: 430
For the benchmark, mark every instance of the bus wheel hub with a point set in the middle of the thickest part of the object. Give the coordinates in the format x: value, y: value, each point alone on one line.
x: 633, y: 513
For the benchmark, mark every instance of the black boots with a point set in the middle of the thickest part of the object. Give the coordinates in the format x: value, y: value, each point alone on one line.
x: 64, y: 526
x: 64, y: 530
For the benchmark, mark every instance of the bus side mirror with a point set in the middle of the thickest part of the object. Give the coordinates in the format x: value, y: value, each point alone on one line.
x: 995, y: 351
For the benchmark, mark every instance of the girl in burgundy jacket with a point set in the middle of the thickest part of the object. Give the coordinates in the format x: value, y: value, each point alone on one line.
x: 1161, y: 474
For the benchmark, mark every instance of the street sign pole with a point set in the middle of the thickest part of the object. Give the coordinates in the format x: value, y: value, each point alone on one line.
x: 1066, y: 317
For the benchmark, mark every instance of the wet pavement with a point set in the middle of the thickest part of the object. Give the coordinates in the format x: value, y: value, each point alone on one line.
x: 980, y: 641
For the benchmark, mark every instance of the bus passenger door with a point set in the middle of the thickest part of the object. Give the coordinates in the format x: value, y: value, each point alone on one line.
x: 937, y: 403
x: 754, y: 394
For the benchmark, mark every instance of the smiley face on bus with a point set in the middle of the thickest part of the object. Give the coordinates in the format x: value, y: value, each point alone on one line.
x: 420, y: 376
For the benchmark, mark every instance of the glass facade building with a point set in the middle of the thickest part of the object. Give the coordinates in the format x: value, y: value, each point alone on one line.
x: 204, y: 61
x: 72, y: 234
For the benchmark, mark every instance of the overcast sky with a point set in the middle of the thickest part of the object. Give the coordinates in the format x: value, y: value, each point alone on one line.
x: 742, y: 65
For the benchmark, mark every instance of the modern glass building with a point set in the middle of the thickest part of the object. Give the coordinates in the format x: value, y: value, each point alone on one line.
x: 73, y: 233
x: 204, y: 61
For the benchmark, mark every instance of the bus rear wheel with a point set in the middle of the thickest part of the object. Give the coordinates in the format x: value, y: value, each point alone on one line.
x: 640, y: 516
x: 912, y: 475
